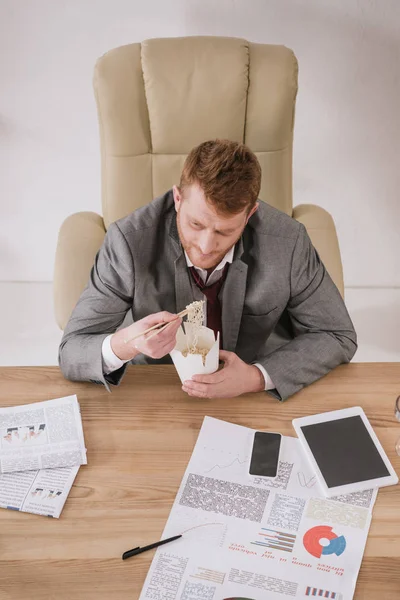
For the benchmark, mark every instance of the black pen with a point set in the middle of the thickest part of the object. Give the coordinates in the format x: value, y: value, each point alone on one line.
x: 139, y: 550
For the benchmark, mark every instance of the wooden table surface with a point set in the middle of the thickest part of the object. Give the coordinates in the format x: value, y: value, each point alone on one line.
x: 139, y: 440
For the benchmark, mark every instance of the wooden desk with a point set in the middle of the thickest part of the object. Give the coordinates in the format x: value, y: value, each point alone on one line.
x: 139, y: 440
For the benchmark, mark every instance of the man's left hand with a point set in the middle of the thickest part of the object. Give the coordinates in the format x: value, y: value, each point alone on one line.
x: 235, y: 378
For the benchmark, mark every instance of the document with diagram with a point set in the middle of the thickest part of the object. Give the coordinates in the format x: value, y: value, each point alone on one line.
x: 256, y: 538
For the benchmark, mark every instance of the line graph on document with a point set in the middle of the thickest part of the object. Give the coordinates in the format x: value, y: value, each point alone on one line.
x: 221, y: 467
x: 197, y: 528
x: 225, y: 458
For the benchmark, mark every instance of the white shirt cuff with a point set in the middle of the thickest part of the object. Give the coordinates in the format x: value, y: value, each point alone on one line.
x: 111, y: 362
x: 269, y: 385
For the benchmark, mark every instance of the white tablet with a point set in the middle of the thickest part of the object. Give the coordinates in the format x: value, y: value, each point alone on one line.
x: 344, y: 451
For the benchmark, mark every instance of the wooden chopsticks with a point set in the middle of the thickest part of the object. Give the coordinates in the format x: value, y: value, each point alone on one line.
x: 158, y: 326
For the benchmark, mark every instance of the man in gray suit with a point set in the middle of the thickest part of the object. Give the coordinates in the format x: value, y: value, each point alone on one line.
x: 282, y: 320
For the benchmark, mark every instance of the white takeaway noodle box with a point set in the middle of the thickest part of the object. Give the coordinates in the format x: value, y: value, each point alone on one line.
x: 192, y: 364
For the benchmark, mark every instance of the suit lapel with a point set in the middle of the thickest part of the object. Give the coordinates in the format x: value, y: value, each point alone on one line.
x: 183, y: 288
x: 233, y: 295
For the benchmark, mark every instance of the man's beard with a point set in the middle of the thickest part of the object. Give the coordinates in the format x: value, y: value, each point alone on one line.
x: 193, y: 252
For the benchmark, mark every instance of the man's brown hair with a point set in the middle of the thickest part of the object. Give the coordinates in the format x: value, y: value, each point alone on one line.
x: 228, y: 173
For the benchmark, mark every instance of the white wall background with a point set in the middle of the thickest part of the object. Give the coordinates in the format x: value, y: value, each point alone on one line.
x: 347, y: 132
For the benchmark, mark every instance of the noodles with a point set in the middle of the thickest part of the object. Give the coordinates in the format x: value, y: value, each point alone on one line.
x: 202, y: 352
x: 195, y: 318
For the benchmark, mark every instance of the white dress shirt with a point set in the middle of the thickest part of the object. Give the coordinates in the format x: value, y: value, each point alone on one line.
x: 111, y: 362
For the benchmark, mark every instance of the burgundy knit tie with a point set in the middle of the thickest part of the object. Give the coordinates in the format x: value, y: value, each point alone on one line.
x: 214, y: 312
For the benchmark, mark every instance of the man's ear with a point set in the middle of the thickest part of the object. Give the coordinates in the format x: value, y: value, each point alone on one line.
x: 253, y: 210
x: 177, y: 197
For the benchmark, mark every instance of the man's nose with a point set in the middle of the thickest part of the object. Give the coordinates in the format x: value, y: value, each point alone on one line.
x: 206, y: 243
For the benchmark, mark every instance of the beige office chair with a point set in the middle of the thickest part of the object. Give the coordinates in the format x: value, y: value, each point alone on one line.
x: 159, y: 99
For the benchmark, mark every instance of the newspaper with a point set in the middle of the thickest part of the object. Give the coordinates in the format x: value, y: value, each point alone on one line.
x: 253, y: 537
x: 43, y: 435
x: 42, y: 492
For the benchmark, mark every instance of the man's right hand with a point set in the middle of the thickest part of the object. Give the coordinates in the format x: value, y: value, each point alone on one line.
x: 158, y: 346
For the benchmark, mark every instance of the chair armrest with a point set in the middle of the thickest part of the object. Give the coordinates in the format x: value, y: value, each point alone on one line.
x: 80, y: 237
x: 322, y: 231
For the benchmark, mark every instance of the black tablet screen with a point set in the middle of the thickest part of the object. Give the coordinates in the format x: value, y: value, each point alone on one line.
x: 344, y: 451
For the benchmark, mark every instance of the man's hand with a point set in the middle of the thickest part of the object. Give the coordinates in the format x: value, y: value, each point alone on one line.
x: 234, y: 379
x: 158, y: 346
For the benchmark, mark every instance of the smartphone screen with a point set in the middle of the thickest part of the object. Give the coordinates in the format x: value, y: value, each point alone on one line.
x: 265, y: 455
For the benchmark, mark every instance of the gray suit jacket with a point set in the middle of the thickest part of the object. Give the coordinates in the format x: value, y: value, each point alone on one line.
x: 279, y: 306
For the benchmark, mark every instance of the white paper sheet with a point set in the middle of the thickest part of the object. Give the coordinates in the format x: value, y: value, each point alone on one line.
x: 256, y: 538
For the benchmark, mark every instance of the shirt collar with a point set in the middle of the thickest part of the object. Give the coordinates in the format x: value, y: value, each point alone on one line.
x: 228, y: 258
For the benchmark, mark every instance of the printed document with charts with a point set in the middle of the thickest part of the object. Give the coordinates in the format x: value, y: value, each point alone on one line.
x: 257, y: 538
x: 41, y: 449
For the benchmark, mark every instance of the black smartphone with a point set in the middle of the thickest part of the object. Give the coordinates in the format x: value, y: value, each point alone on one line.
x: 265, y: 454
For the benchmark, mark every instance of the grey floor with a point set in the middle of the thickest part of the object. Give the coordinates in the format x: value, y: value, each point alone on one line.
x: 29, y: 335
